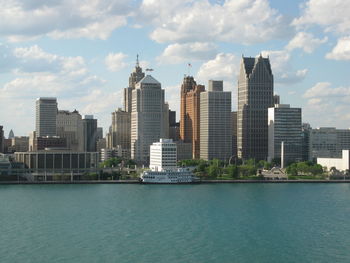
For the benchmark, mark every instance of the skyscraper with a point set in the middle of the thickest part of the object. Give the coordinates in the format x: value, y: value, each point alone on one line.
x: 69, y: 125
x: 120, y: 132
x: 147, y: 117
x: 190, y: 114
x: 215, y: 123
x: 135, y: 77
x: 255, y: 96
x: 46, y: 112
x: 1, y: 139
x: 234, y: 133
x: 285, y: 126
x: 11, y: 135
x: 90, y: 133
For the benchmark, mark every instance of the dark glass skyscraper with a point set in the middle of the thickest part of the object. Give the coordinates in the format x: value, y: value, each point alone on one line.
x: 255, y: 96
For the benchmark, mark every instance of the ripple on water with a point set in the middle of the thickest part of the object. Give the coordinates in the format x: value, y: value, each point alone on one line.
x: 175, y: 223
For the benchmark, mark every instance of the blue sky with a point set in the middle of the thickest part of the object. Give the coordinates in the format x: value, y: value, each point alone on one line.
x: 83, y: 51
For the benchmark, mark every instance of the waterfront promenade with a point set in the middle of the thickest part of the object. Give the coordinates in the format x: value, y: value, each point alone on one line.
x: 134, y: 181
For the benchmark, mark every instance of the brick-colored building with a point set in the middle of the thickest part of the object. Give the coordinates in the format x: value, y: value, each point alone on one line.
x: 190, y: 114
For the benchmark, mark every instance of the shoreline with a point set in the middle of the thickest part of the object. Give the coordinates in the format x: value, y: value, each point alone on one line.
x: 201, y: 182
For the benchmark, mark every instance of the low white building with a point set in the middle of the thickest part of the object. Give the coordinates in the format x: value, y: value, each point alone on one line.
x: 163, y: 155
x: 341, y: 164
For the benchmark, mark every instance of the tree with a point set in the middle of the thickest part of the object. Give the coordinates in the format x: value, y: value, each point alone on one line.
x: 213, y: 171
x: 112, y: 162
x: 232, y: 171
x: 292, y: 169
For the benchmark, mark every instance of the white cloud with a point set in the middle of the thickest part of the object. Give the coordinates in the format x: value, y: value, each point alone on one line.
x: 29, y: 19
x: 249, y: 21
x: 173, y: 97
x: 325, y: 89
x: 281, y: 67
x: 332, y: 15
x: 40, y: 74
x: 223, y: 67
x: 327, y: 106
x: 100, y: 30
x: 305, y: 41
x: 115, y: 61
x: 179, y: 53
x: 341, y: 51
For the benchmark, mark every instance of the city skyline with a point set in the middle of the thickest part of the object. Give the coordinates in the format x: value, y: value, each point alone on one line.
x: 85, y: 59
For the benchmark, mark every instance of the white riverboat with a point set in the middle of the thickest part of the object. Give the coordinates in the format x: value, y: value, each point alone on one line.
x: 178, y: 176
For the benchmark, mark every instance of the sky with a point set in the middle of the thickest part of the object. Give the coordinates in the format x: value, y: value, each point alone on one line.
x: 83, y: 51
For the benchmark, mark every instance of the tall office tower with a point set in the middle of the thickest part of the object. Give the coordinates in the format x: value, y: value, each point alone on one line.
x: 69, y: 125
x: 135, y: 77
x: 328, y: 142
x: 121, y: 131
x: 147, y: 118
x: 163, y: 156
x: 215, y: 85
x: 190, y: 114
x: 166, y: 120
x: 11, y: 134
x: 1, y: 139
x: 174, y: 127
x: 215, y: 124
x: 284, y: 125
x: 305, y: 141
x: 172, y: 118
x: 90, y: 133
x: 99, y: 133
x: 234, y: 133
x: 255, y: 96
x: 276, y: 99
x: 46, y: 112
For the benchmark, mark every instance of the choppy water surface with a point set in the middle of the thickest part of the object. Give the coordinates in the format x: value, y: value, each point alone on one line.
x: 175, y: 223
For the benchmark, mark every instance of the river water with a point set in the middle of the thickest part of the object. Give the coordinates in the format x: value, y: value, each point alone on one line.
x: 175, y: 223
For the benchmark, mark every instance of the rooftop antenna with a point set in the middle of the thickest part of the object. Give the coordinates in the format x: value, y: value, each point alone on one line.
x: 137, y: 60
x: 189, y: 66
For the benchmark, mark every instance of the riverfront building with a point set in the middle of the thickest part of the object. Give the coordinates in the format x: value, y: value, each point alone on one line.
x: 147, y: 118
x: 341, y: 164
x: 255, y: 96
x: 215, y: 123
x: 69, y: 125
x: 46, y: 112
x: 90, y: 133
x: 50, y: 163
x: 190, y: 114
x: 328, y: 142
x: 163, y: 155
x: 305, y: 141
x: 285, y: 126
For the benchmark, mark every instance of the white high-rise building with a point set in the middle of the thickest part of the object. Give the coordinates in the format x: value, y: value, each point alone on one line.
x: 163, y: 155
x: 215, y: 123
x: 285, y: 126
x: 147, y: 118
x: 46, y: 112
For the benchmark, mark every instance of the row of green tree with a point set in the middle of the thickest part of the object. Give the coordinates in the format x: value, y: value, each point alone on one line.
x: 248, y: 168
x: 116, y: 162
